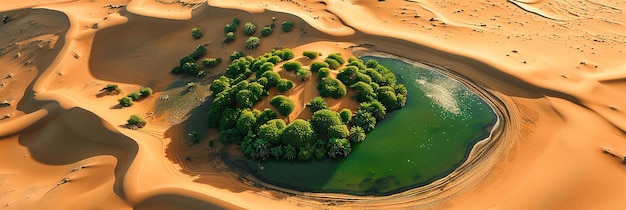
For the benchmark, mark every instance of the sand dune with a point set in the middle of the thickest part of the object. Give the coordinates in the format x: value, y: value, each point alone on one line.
x: 552, y: 67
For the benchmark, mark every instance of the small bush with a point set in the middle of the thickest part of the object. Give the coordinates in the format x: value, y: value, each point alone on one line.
x: 253, y: 42
x: 196, y: 33
x: 249, y: 28
x: 283, y: 104
x: 332, y: 63
x: 272, y: 78
x: 292, y: 66
x: 236, y: 21
x: 310, y: 54
x: 287, y: 26
x: 284, y: 85
x: 324, y: 119
x: 332, y: 87
x: 134, y: 96
x: 357, y: 134
x: 230, y: 36
x: 236, y: 55
x: 317, y: 103
x: 338, y: 131
x: 199, y: 52
x: 316, y: 66
x: 211, y: 62
x: 303, y: 74
x: 288, y: 54
x: 136, y: 120
x: 346, y: 115
x: 6, y: 19
x: 126, y: 102
x: 274, y: 59
x: 111, y: 87
x: 266, y: 31
x: 228, y: 28
x: 177, y: 70
x: 324, y: 72
x: 337, y: 57
x: 190, y: 68
x: 145, y: 92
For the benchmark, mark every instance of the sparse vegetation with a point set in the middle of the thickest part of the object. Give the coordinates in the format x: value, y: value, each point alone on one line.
x: 311, y: 54
x: 196, y: 33
x: 266, y: 31
x: 112, y: 89
x: 253, y: 42
x: 287, y: 26
x: 249, y: 28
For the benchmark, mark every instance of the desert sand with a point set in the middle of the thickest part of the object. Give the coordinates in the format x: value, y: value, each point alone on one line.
x: 554, y: 67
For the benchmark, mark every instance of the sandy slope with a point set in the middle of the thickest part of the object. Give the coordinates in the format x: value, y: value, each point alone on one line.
x: 555, y: 66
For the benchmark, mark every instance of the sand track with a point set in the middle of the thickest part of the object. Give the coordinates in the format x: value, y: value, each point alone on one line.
x: 552, y: 69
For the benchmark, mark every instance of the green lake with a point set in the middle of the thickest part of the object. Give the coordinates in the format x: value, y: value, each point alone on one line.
x: 412, y: 147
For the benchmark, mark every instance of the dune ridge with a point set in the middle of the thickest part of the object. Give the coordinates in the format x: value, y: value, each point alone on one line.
x: 552, y: 69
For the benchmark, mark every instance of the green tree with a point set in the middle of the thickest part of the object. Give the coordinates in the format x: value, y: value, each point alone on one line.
x: 230, y: 28
x: 249, y: 28
x: 292, y: 66
x: 338, y: 131
x: 365, y: 92
x: 236, y: 55
x: 145, y: 92
x: 266, y: 31
x: 126, y: 102
x: 303, y: 74
x: 287, y: 54
x: 136, y: 120
x: 230, y: 36
x: 337, y: 57
x: 332, y: 64
x: 331, y: 87
x: 244, y: 99
x: 246, y: 121
x: 287, y: 26
x: 277, y: 151
x: 272, y: 78
x: 377, y: 109
x: 265, y: 116
x: 317, y: 103
x: 272, y: 130
x: 298, y: 133
x: 357, y: 134
x: 283, y: 104
x: 213, y: 117
x: 196, y: 33
x: 338, y: 147
x: 365, y: 120
x: 316, y: 66
x: 134, y: 96
x: 322, y: 73
x: 310, y: 54
x: 199, y: 52
x: 211, y: 62
x: 284, y: 85
x: 346, y: 115
x: 220, y: 84
x: 323, y: 119
x: 253, y: 42
x: 111, y: 88
x: 229, y: 119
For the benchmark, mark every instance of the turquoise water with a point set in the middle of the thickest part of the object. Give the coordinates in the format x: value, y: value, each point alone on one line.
x: 412, y: 147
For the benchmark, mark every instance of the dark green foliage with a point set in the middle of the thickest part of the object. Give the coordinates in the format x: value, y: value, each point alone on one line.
x: 186, y: 59
x: 230, y: 136
x: 190, y: 68
x: 111, y: 87
x: 136, y: 120
x: 292, y: 66
x: 357, y: 134
x: 249, y: 28
x: 400, y: 89
x: 265, y: 67
x: 266, y: 31
x: 277, y: 151
x: 287, y: 54
x: 337, y: 57
x: 134, y: 96
x: 317, y: 103
x: 303, y: 74
x: 338, y: 147
x: 388, y: 97
x: 177, y: 70
x: 235, y: 55
x: 272, y: 130
x: 230, y: 28
x: 290, y: 152
x: 284, y: 85
x: 338, y: 131
x: 274, y: 59
x: 298, y: 133
x: 283, y: 104
x: 364, y: 120
x: 331, y: 87
x: 230, y: 36
x: 236, y: 21
x: 310, y: 54
x: 253, y: 42
x: 265, y: 116
x: 346, y: 115
x: 145, y: 92
x: 272, y: 78
x: 213, y: 117
x: 305, y: 153
x: 229, y: 119
x: 375, y: 76
x: 199, y: 52
x: 323, y: 119
x: 196, y: 33
x: 332, y: 64
x: 365, y: 92
x: 323, y: 72
x: 375, y: 107
x: 244, y: 99
x: 126, y: 102
x: 287, y: 26
x: 351, y: 75
x: 245, y: 121
x: 211, y: 62
x: 316, y: 66
x: 220, y: 84
x: 6, y: 19
x: 224, y: 99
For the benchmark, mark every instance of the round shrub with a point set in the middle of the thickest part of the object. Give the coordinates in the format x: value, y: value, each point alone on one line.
x: 190, y: 68
x: 272, y: 78
x: 332, y: 64
x: 284, y: 85
x: 287, y: 26
x: 338, y: 131
x: 244, y: 98
x: 316, y: 66
x: 136, y: 120
x: 266, y: 31
x: 292, y: 66
x: 331, y: 87
x: 283, y: 104
x: 337, y: 57
x: 317, y: 103
x: 236, y: 55
x: 272, y: 130
x: 196, y: 33
x: 346, y: 115
x: 211, y: 62
x: 310, y: 54
x: 230, y: 36
x: 111, y: 87
x: 323, y: 119
x: 199, y: 52
x: 249, y: 28
x: 322, y: 73
x: 298, y: 133
x: 303, y: 74
x: 229, y: 28
x: 246, y: 121
x: 253, y: 42
x: 126, y: 102
x: 145, y: 92
x: 134, y: 96
x: 274, y: 59
x: 287, y: 54
x: 236, y: 21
